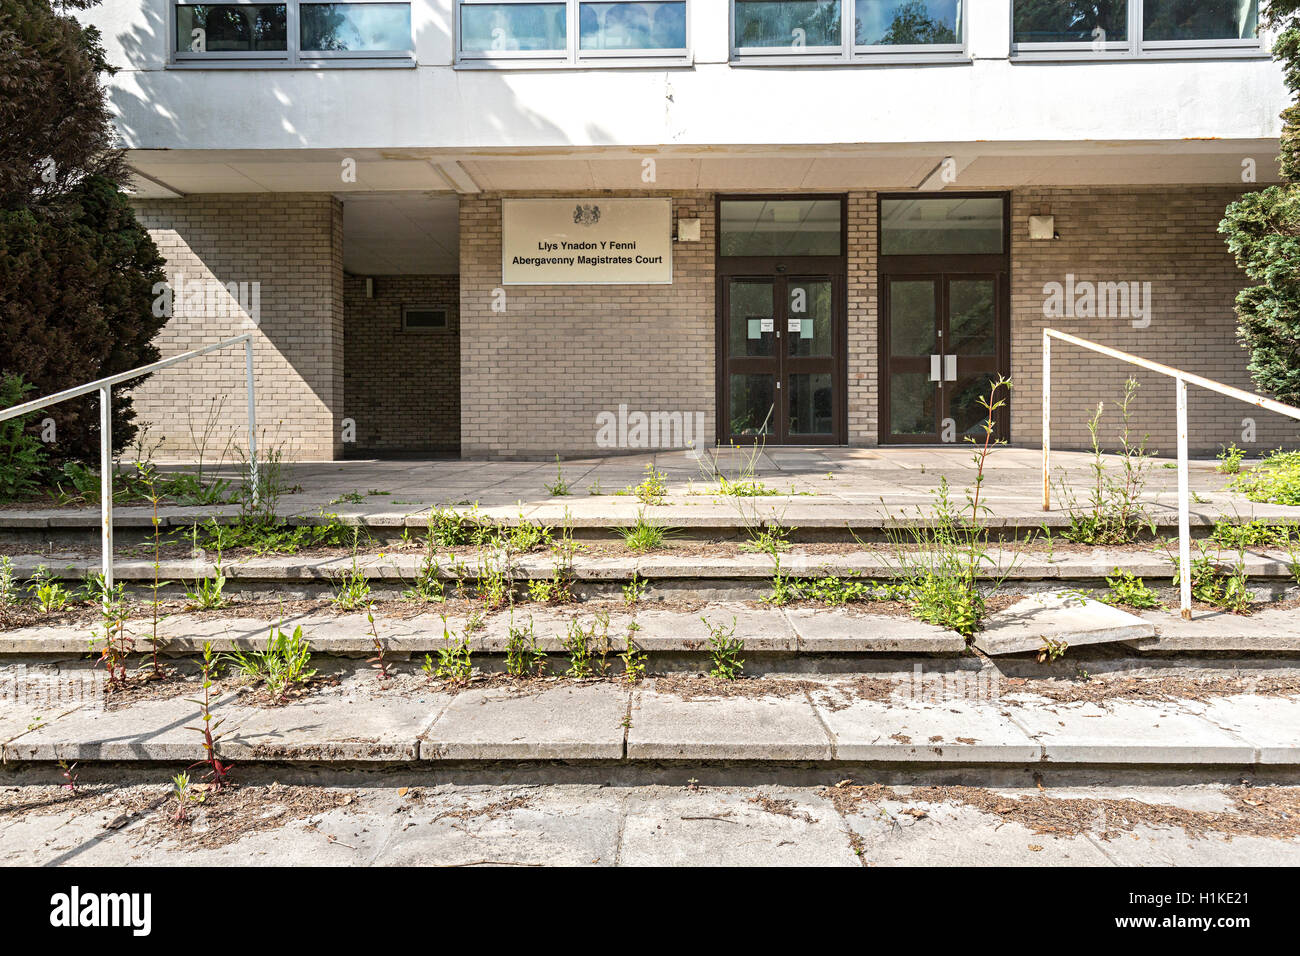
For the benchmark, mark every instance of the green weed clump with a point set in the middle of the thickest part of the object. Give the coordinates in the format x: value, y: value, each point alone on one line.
x: 1275, y: 480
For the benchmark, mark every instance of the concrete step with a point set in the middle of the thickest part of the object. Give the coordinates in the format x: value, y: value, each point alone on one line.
x: 399, y: 567
x: 360, y: 721
x: 1023, y: 627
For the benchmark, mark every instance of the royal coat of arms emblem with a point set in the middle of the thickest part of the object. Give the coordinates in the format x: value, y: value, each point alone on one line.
x: 586, y: 215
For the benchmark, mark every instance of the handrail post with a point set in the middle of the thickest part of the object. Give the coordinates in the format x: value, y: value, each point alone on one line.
x: 1184, y: 507
x: 106, y: 486
x: 1047, y: 421
x: 252, y: 419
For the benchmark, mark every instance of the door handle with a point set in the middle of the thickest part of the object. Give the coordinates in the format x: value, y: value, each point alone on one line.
x: 950, y: 368
x: 935, y: 375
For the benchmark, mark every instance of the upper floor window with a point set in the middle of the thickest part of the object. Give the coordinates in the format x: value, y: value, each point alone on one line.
x: 292, y: 31
x: 1130, y: 27
x: 847, y: 29
x: 570, y: 31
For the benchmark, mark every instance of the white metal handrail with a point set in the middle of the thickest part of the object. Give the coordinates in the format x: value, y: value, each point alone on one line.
x: 1181, y: 381
x: 105, y: 387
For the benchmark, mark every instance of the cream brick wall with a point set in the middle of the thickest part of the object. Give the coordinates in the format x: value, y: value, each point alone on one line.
x: 402, y: 388
x: 291, y: 244
x: 535, y: 377
x: 1167, y: 237
x: 863, y: 317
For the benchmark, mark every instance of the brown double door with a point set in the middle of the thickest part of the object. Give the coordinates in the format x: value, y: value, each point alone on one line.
x: 943, y: 343
x: 781, y: 348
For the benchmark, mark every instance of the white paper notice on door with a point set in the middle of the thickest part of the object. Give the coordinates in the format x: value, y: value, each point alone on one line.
x: 794, y: 325
x: 767, y: 325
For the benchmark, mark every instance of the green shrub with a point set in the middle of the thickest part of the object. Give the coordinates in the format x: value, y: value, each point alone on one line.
x: 1275, y: 480
x: 22, y: 459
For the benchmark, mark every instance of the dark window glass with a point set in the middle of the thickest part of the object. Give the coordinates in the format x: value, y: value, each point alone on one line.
x: 907, y: 22
x: 1070, y: 21
x: 1200, y: 19
x: 230, y: 28
x: 780, y: 227
x: 787, y: 23
x: 941, y: 226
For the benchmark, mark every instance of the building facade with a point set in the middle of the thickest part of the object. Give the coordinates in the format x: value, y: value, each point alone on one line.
x: 540, y: 227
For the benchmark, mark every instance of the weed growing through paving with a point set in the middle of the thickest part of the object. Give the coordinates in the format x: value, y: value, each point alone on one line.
x: 1129, y: 590
x: 725, y: 648
x: 767, y: 539
x: 493, y: 587
x: 1255, y: 534
x: 351, y: 588
x: 632, y: 657
x: 379, y: 662
x: 558, y: 488
x: 634, y: 590
x: 284, y: 663
x: 183, y: 795
x: 1275, y: 480
x: 208, y: 593
x: 112, y: 640
x: 524, y: 656
x: 587, y: 646
x: 49, y: 594
x: 1225, y: 588
x: 652, y: 489
x: 1052, y: 650
x: 1230, y: 459
x: 644, y: 535
x: 455, y: 662
x: 217, y: 770
x: 70, y: 776
x: 1114, y: 512
x: 937, y: 560
x: 835, y: 591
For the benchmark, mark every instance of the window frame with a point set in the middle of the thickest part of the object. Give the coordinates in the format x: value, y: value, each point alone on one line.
x: 572, y: 55
x: 848, y: 50
x: 1137, y: 46
x: 293, y: 55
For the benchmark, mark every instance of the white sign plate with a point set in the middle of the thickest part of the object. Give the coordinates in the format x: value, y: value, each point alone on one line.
x: 586, y: 241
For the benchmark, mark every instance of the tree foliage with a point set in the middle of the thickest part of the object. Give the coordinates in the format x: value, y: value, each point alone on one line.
x: 1263, y: 233
x: 77, y: 270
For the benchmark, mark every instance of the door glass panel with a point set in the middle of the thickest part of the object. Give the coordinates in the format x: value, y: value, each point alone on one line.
x: 972, y: 317
x: 810, y: 404
x: 808, y: 317
x: 941, y: 226
x: 752, y: 404
x: 966, y: 398
x: 911, y: 403
x: 752, y: 328
x: 779, y: 227
x: 911, y: 318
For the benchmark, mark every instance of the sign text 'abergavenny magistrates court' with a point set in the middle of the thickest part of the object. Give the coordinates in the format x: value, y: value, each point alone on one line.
x: 586, y: 241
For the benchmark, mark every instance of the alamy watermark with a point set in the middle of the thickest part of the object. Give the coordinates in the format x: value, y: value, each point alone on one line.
x: 637, y: 429
x: 184, y: 295
x: 1075, y: 299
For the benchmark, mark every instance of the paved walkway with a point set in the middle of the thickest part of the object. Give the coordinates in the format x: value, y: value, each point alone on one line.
x: 826, y: 486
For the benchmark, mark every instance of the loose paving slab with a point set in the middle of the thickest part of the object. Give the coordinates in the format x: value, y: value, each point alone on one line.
x: 559, y: 722
x: 950, y: 730
x: 1127, y: 732
x: 1075, y: 620
x: 829, y: 630
x: 666, y: 727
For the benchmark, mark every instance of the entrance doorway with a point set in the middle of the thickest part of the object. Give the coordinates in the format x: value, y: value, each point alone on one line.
x: 781, y: 320
x: 944, y: 316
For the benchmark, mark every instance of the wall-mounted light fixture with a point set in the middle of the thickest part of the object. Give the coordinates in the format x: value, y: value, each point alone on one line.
x: 1042, y: 227
x: 688, y: 230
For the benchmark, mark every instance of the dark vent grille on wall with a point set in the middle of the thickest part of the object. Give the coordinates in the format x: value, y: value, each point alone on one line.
x: 420, y: 319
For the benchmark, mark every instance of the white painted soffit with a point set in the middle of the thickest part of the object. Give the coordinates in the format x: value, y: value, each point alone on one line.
x: 163, y: 173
